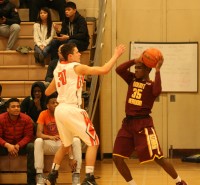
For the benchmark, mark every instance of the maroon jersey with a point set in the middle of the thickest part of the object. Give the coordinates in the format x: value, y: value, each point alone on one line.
x: 141, y: 93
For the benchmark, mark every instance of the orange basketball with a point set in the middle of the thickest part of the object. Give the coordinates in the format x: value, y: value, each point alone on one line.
x: 151, y: 56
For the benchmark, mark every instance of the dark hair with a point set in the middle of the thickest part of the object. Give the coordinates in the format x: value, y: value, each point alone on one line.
x: 70, y: 5
x: 0, y: 88
x: 11, y: 100
x: 49, y: 21
x: 53, y: 95
x: 67, y: 49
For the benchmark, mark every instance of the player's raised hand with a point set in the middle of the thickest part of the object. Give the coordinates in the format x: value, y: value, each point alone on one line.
x: 119, y: 50
x: 160, y: 63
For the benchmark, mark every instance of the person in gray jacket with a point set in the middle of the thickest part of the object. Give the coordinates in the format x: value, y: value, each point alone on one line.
x: 9, y: 22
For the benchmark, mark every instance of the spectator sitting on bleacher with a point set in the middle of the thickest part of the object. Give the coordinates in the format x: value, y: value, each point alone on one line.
x: 48, y: 142
x: 16, y: 136
x: 34, y: 104
x: 74, y: 30
x: 36, y: 5
x: 43, y: 35
x: 9, y: 22
x: 2, y: 102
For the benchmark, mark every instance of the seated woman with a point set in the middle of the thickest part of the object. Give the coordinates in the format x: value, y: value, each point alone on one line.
x: 43, y: 35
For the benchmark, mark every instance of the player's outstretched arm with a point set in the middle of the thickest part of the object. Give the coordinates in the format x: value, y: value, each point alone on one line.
x: 51, y: 88
x: 99, y: 70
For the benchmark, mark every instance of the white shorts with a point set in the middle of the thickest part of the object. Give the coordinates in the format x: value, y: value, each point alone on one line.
x: 72, y: 121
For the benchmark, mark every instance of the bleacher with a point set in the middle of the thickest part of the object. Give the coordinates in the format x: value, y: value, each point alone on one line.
x: 18, y: 72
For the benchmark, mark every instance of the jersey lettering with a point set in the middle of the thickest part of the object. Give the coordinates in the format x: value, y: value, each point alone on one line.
x: 135, y: 102
x: 80, y: 81
x: 139, y: 85
x: 137, y: 94
x: 62, y: 78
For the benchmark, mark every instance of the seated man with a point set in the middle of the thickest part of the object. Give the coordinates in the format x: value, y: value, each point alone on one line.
x: 9, y: 22
x: 16, y: 134
x: 48, y: 142
x: 74, y: 30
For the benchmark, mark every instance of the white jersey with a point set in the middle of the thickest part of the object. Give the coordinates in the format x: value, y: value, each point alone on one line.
x: 68, y: 83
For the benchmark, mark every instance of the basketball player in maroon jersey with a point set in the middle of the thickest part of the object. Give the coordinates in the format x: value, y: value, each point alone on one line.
x: 137, y: 132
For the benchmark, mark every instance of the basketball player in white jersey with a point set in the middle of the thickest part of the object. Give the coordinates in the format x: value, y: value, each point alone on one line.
x: 70, y: 118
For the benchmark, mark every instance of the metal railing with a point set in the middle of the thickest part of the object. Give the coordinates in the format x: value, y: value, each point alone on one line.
x: 95, y: 82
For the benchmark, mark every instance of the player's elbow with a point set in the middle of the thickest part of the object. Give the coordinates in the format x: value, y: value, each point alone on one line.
x: 100, y: 72
x: 105, y: 71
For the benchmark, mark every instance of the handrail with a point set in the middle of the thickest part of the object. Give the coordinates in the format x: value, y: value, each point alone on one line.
x: 94, y: 93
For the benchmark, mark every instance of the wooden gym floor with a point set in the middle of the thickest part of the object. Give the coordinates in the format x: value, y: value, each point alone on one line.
x: 144, y: 174
x: 147, y: 174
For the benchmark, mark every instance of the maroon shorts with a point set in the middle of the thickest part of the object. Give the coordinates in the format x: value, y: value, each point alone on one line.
x: 137, y: 135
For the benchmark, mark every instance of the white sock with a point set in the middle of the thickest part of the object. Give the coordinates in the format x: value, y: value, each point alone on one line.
x: 55, y: 166
x: 77, y: 171
x: 178, y: 179
x: 89, y: 169
x: 39, y: 171
x: 132, y: 182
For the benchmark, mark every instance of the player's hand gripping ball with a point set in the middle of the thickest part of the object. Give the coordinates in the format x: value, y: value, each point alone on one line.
x: 151, y: 56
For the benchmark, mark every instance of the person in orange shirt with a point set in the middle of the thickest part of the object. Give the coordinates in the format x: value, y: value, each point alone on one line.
x: 48, y: 142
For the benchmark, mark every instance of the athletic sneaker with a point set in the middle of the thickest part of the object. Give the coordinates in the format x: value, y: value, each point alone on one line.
x: 181, y: 183
x: 51, y: 178
x: 89, y: 180
x: 40, y: 179
x: 76, y: 179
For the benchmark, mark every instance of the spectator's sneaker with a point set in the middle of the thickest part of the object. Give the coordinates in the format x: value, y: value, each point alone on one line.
x: 51, y: 178
x: 89, y: 180
x: 76, y: 179
x: 181, y: 183
x: 40, y: 179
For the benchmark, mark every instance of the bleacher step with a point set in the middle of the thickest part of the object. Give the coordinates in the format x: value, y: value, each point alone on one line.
x: 22, y: 72
x: 12, y: 57
x: 16, y: 88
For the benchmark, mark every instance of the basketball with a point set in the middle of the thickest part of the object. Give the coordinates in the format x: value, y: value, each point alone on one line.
x: 151, y: 56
